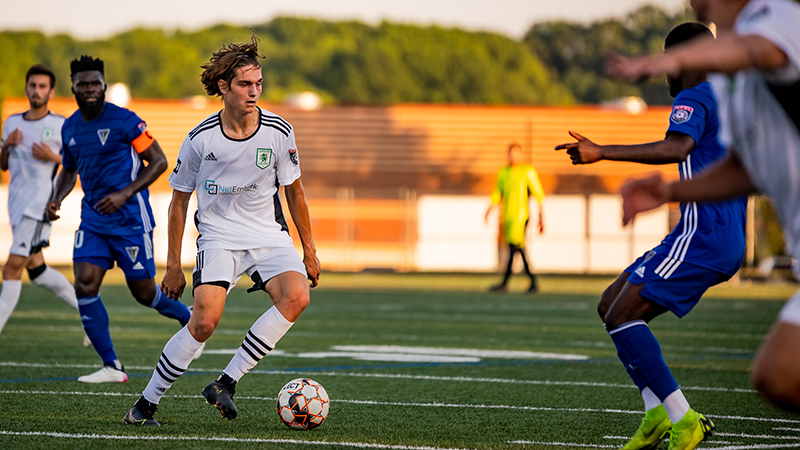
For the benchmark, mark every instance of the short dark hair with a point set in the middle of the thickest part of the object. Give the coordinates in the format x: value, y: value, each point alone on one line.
x: 223, y: 64
x: 85, y: 64
x: 686, y: 32
x: 41, y: 69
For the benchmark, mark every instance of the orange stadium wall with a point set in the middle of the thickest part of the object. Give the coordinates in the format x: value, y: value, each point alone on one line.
x: 404, y: 187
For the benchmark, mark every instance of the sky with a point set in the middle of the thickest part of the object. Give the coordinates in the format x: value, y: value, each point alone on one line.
x: 89, y: 19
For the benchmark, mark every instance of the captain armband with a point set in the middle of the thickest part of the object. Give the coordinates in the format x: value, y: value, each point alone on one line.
x: 143, y: 142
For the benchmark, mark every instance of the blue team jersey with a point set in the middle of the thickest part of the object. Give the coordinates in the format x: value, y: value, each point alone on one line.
x: 103, y: 153
x: 709, y: 235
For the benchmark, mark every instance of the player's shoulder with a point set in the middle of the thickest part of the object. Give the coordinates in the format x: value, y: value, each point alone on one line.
x: 271, y: 120
x: 14, y: 118
x: 118, y: 113
x: 702, y: 93
x: 758, y: 11
x: 209, y: 123
x: 55, y: 118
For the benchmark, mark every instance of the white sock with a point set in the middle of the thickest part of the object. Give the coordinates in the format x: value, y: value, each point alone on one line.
x: 650, y: 399
x: 676, y: 406
x: 53, y: 280
x: 174, y: 361
x: 260, y: 340
x: 8, y: 300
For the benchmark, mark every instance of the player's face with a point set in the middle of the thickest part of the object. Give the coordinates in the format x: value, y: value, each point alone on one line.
x: 514, y: 155
x: 89, y: 88
x: 245, y: 89
x: 38, y: 90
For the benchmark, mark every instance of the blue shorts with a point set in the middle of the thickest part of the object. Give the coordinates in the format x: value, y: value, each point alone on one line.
x: 133, y: 254
x: 672, y: 284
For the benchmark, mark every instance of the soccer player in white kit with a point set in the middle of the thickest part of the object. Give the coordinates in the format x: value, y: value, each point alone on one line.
x: 758, y: 50
x: 235, y: 160
x: 31, y: 153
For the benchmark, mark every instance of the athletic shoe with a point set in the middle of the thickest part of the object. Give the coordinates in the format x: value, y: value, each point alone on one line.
x: 86, y: 341
x: 689, y: 432
x: 107, y: 374
x: 220, y: 394
x: 498, y: 288
x: 654, y: 428
x: 142, y: 414
x: 534, y: 287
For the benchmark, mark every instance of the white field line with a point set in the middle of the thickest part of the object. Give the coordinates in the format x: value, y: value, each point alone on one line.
x: 786, y: 429
x: 625, y: 438
x: 396, y: 376
x: 215, y: 439
x: 505, y: 354
x: 758, y: 446
x: 757, y: 436
x: 563, y: 444
x: 411, y: 404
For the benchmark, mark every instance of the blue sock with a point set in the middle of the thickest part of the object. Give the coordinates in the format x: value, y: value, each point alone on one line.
x: 640, y: 352
x: 95, y: 322
x: 174, y: 309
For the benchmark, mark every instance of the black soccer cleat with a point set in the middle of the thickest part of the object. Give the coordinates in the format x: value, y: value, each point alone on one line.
x: 142, y: 414
x: 220, y: 394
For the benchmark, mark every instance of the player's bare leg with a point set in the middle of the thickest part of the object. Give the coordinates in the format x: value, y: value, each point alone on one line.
x: 610, y: 294
x: 290, y: 295
x: 776, y: 368
x: 209, y: 303
x: 666, y: 407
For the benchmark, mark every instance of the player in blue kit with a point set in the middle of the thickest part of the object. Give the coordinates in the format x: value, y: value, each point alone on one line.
x: 107, y: 146
x: 704, y: 249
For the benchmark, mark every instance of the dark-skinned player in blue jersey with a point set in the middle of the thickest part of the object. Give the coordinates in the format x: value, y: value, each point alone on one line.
x: 108, y: 147
x: 704, y: 249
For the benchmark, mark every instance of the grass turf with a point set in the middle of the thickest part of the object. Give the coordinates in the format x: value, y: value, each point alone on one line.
x: 487, y: 404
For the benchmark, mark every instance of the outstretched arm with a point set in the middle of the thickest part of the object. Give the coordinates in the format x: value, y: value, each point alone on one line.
x: 727, y: 180
x: 727, y: 54
x: 156, y: 165
x: 298, y: 208
x: 173, y: 282
x: 674, y: 149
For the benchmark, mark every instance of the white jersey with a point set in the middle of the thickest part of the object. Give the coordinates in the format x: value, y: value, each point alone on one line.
x: 238, y: 207
x: 759, y: 112
x: 31, y: 180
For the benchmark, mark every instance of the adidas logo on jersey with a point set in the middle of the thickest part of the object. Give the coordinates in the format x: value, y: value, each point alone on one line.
x: 210, y: 157
x: 640, y: 271
x: 138, y: 266
x: 72, y: 141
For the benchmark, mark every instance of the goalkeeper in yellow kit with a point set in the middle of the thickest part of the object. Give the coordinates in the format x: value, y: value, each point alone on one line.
x: 515, y: 183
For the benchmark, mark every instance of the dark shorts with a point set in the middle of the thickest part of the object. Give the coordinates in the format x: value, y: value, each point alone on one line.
x: 676, y: 285
x: 133, y: 254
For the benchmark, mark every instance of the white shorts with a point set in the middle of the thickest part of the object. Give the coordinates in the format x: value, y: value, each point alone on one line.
x: 791, y: 310
x: 30, y: 236
x: 223, y: 268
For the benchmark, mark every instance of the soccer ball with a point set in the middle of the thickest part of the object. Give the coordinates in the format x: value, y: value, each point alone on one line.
x: 303, y: 404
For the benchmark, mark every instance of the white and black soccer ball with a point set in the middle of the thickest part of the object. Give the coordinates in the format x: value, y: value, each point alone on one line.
x: 303, y: 404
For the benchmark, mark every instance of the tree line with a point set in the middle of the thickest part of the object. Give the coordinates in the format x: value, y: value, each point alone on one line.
x: 349, y: 62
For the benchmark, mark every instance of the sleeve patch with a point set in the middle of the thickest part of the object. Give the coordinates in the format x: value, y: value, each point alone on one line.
x: 143, y: 142
x: 681, y: 113
x: 293, y: 156
x: 177, y: 166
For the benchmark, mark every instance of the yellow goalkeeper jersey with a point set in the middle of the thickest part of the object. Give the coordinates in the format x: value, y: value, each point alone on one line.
x: 514, y: 185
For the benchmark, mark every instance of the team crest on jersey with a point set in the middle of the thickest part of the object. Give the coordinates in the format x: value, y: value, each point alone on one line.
x: 681, y: 113
x: 132, y: 252
x: 103, y: 135
x: 293, y: 156
x: 177, y: 166
x: 47, y: 134
x: 263, y: 158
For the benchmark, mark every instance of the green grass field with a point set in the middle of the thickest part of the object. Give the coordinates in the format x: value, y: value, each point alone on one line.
x: 389, y: 399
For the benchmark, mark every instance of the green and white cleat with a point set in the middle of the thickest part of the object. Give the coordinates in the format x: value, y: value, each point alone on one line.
x: 654, y: 428
x: 690, y: 431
